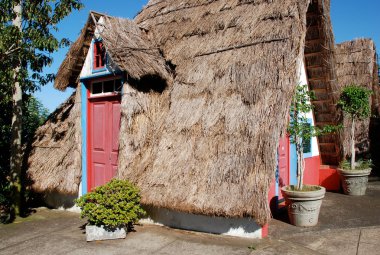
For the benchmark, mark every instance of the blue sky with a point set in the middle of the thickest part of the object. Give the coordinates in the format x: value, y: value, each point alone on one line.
x: 351, y: 19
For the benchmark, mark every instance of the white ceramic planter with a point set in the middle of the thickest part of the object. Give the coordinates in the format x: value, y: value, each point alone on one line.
x: 95, y: 233
x: 303, y: 206
x: 354, y: 182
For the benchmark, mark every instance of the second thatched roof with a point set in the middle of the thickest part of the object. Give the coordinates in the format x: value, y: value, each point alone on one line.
x: 356, y: 64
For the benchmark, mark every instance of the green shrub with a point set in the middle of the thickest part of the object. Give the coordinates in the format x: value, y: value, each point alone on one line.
x: 115, y: 204
x: 359, y: 165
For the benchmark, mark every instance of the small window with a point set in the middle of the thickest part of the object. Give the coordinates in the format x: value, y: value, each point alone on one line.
x: 307, y: 144
x: 99, y: 55
x: 106, y: 87
x: 97, y: 88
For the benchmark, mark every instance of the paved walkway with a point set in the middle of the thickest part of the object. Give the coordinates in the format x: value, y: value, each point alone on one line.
x: 348, y: 225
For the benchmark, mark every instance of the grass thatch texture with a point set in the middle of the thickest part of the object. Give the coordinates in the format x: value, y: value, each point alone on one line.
x: 130, y: 49
x: 356, y: 64
x: 208, y: 143
x: 54, y: 163
x: 70, y: 68
x: 127, y: 46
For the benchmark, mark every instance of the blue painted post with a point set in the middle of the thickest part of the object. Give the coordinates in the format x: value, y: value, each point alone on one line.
x: 84, y: 136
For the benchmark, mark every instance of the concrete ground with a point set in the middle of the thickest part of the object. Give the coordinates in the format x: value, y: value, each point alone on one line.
x: 348, y: 225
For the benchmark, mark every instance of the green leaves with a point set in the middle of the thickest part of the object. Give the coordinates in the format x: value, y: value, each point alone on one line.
x: 114, y: 204
x: 33, y: 45
x: 354, y: 101
x: 299, y: 126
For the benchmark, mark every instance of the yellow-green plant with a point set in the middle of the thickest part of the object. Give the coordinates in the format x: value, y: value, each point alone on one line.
x: 115, y: 204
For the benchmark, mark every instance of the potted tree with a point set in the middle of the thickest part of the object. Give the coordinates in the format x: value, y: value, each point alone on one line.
x: 110, y: 209
x: 303, y: 201
x: 354, y: 102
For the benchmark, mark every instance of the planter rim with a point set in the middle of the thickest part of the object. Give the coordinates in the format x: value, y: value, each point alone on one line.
x: 304, y: 195
x: 361, y: 172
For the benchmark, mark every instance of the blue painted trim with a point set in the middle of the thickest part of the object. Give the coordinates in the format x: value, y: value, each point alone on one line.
x: 293, y: 164
x: 309, y: 154
x: 84, y: 136
x: 98, y: 75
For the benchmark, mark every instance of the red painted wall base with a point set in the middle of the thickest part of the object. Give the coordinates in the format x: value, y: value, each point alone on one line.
x: 264, y: 231
x: 329, y: 178
x: 312, y: 170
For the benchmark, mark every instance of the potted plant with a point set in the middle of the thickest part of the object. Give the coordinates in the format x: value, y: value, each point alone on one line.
x: 110, y: 209
x: 354, y: 102
x: 303, y: 201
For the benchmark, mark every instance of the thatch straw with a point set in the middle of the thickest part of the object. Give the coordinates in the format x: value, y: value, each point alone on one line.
x: 130, y: 49
x: 356, y: 64
x: 208, y: 143
x: 321, y: 74
x: 54, y: 163
x: 127, y: 47
x: 69, y: 70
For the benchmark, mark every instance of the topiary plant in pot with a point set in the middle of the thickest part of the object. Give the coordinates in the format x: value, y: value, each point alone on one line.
x: 303, y: 201
x: 110, y: 209
x: 354, y: 102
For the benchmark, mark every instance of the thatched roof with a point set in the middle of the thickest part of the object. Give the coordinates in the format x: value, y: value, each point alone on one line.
x: 126, y: 44
x: 208, y: 143
x: 54, y: 163
x: 321, y: 74
x: 356, y: 64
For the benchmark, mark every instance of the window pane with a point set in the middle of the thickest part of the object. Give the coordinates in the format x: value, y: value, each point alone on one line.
x: 108, y: 86
x: 97, y: 88
x: 118, y: 85
x: 307, y: 144
x: 99, y: 55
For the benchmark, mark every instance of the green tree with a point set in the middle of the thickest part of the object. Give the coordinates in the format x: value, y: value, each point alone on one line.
x: 300, y: 130
x: 26, y: 44
x: 34, y: 115
x: 354, y: 102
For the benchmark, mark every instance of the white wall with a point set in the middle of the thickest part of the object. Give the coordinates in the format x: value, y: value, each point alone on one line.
x: 243, y: 227
x: 309, y: 115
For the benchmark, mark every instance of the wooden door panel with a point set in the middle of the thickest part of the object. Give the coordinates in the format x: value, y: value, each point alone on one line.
x: 99, y: 174
x: 98, y: 126
x: 104, y: 140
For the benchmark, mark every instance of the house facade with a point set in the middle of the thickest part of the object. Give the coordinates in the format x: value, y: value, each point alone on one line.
x: 189, y: 101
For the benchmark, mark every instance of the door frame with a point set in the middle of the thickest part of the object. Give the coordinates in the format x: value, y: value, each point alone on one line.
x: 90, y: 98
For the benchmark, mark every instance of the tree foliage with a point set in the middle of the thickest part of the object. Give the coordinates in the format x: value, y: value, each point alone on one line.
x: 299, y: 129
x: 354, y: 102
x: 37, y: 41
x: 25, y: 49
x: 34, y: 115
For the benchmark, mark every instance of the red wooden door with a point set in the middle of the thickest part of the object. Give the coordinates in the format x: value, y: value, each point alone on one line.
x: 283, y: 164
x: 104, y: 126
